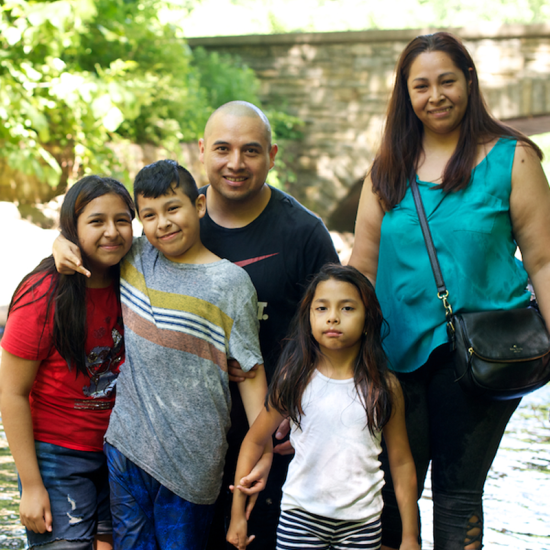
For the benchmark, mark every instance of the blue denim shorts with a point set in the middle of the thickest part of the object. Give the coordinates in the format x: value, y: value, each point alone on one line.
x: 78, y: 487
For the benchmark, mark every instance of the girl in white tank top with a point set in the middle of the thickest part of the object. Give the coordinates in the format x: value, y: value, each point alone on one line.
x: 333, y: 383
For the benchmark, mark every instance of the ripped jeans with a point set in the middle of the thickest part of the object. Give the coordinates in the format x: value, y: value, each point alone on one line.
x: 78, y: 487
x: 460, y: 435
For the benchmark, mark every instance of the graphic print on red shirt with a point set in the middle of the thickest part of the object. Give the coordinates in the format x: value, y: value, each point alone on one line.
x: 69, y: 408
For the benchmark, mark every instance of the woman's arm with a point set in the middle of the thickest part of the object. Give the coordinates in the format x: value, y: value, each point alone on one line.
x: 364, y: 255
x: 16, y: 378
x: 256, y: 446
x: 403, y: 471
x: 530, y: 214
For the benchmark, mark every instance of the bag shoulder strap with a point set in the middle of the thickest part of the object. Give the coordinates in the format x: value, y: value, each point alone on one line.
x: 440, y: 283
x: 442, y: 292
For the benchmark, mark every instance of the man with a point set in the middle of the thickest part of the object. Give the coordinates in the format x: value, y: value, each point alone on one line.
x: 280, y: 244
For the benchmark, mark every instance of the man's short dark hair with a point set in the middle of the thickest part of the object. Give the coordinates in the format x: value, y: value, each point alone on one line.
x: 161, y: 177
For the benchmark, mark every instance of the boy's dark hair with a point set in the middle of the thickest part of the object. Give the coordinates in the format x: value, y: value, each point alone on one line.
x: 300, y: 354
x: 67, y: 293
x: 161, y: 178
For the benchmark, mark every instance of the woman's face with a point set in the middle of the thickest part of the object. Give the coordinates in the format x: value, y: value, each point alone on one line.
x: 105, y: 231
x: 438, y: 91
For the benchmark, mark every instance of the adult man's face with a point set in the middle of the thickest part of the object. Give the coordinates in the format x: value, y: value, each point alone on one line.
x: 237, y: 156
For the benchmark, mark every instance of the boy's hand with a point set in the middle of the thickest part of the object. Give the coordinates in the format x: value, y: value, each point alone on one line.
x: 237, y: 533
x: 282, y: 431
x: 35, y: 511
x: 236, y: 374
x: 68, y: 259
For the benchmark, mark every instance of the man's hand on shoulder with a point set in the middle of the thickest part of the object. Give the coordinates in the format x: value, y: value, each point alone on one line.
x: 283, y: 430
x: 236, y: 374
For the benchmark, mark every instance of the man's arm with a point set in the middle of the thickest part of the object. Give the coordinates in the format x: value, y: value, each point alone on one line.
x: 320, y: 249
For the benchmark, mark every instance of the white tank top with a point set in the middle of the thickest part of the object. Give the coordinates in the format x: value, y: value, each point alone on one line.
x: 335, y: 472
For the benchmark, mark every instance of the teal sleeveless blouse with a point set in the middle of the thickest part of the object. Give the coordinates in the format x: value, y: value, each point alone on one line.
x: 472, y: 234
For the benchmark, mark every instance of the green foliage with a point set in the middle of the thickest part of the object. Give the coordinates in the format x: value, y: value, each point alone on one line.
x: 76, y: 75
x: 285, y: 129
x: 224, y: 77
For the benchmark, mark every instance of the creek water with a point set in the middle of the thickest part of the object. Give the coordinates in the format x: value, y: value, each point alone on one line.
x: 517, y: 492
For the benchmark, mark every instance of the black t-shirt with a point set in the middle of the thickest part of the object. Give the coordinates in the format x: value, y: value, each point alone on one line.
x: 279, y: 250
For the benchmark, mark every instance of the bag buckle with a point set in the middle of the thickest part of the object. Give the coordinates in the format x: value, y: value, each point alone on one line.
x: 443, y: 296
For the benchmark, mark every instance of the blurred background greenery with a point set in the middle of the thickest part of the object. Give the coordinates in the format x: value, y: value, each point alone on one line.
x: 79, y: 76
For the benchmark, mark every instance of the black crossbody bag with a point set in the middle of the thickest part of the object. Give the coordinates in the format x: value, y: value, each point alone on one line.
x: 501, y: 354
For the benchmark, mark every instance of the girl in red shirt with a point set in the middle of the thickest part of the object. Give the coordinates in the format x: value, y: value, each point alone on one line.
x: 62, y: 349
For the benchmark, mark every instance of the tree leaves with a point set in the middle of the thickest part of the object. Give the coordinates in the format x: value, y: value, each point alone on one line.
x: 76, y: 75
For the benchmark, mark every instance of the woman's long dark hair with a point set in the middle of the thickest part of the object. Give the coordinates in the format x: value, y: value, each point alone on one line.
x: 401, y: 147
x: 67, y: 293
x: 301, y: 353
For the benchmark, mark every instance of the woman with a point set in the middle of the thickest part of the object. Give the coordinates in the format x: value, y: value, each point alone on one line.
x: 483, y: 190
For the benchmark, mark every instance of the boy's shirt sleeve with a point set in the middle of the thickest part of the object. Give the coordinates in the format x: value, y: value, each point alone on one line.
x: 136, y: 249
x: 133, y: 256
x: 244, y: 342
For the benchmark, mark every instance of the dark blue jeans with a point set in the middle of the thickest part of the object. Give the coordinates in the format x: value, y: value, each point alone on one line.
x: 460, y: 434
x: 147, y: 515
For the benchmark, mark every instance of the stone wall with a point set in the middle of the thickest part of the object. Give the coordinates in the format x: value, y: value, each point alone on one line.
x: 339, y: 83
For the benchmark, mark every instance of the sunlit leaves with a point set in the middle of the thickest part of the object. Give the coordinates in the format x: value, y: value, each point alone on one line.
x: 76, y: 75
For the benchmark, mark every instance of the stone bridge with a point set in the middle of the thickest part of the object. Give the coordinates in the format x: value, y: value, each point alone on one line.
x: 338, y: 83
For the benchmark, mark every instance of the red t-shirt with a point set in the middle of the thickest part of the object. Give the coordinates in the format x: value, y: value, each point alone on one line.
x: 68, y: 408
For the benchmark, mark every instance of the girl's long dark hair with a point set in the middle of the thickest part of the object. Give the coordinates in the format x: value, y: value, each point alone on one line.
x: 401, y: 146
x: 67, y: 293
x: 301, y: 352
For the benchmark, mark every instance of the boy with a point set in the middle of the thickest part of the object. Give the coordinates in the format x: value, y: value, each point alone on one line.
x: 185, y: 312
